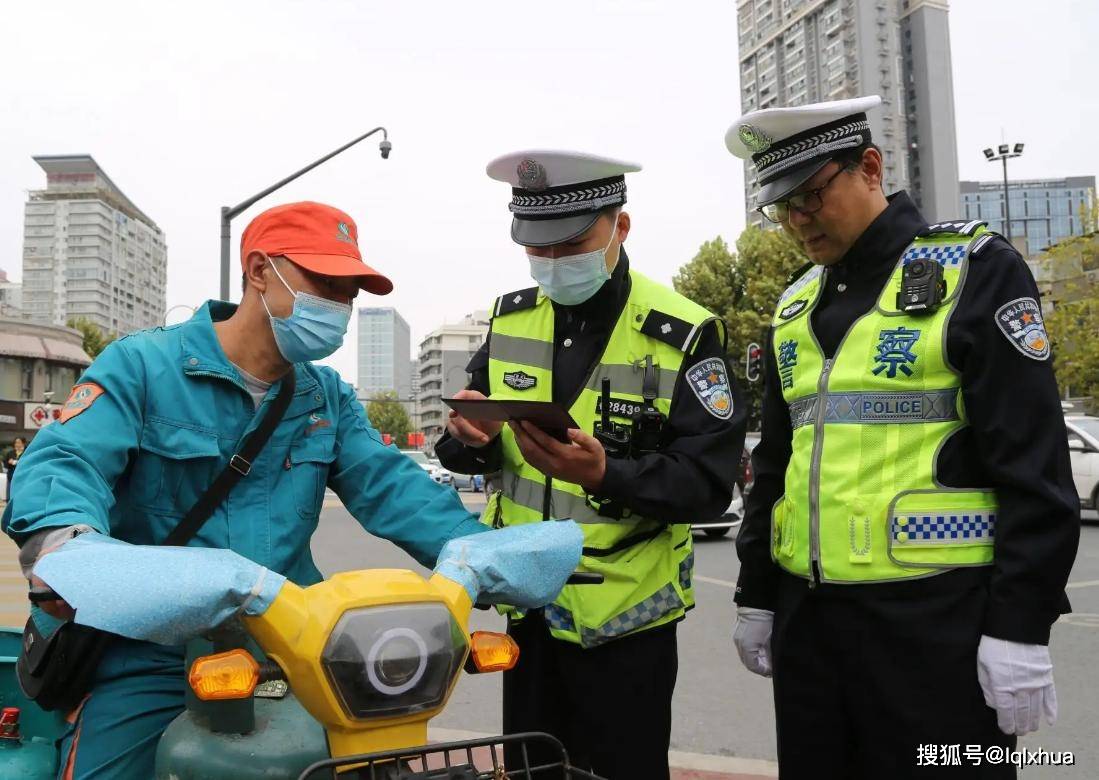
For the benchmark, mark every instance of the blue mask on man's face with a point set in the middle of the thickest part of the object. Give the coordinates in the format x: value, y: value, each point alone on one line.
x: 314, y: 329
x: 573, y: 279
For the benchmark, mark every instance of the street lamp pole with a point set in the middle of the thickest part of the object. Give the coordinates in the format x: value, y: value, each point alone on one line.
x: 1004, y: 153
x: 227, y: 212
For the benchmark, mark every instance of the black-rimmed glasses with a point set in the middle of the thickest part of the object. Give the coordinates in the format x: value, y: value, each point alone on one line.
x: 805, y: 203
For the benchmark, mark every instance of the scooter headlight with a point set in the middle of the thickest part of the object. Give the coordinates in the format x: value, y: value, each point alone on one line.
x: 394, y: 660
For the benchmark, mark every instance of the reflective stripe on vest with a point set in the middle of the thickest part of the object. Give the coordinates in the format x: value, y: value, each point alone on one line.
x: 861, y: 502
x: 641, y: 558
x: 899, y: 407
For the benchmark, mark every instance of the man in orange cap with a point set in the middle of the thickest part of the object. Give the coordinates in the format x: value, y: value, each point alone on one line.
x: 160, y: 413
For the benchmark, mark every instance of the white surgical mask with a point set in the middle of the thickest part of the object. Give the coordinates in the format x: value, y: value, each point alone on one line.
x: 572, y: 279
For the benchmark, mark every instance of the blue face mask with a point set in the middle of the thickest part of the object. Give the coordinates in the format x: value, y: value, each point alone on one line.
x: 573, y: 279
x: 314, y: 329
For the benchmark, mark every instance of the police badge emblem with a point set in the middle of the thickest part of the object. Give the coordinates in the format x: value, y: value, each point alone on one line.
x: 520, y: 380
x: 755, y: 139
x: 532, y: 175
x: 793, y: 309
x: 710, y: 382
x: 1021, y: 322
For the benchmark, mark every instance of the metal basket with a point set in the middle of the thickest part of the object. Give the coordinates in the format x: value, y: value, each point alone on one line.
x: 474, y: 759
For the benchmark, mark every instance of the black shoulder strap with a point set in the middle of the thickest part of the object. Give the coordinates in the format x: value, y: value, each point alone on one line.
x: 668, y: 328
x: 239, y: 466
x: 516, y: 301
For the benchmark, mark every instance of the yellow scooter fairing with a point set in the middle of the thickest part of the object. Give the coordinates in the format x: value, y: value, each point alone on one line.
x: 372, y: 655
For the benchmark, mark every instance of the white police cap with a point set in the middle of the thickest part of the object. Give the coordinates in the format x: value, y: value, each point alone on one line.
x: 557, y: 195
x: 789, y: 145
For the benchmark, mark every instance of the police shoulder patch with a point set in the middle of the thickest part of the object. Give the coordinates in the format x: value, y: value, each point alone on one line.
x: 710, y: 382
x: 1022, y: 324
x: 80, y: 399
x: 520, y: 380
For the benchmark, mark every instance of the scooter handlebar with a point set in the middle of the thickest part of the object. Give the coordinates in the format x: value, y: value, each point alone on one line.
x: 584, y: 578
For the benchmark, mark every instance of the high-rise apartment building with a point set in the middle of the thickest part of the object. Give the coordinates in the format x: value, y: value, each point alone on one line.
x: 444, y: 354
x: 89, y: 252
x: 11, y: 297
x: 1043, y: 211
x: 794, y: 52
x: 385, y: 347
x: 414, y: 411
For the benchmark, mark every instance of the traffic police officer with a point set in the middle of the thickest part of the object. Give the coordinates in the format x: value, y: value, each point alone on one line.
x: 598, y: 666
x: 158, y: 415
x: 913, y: 520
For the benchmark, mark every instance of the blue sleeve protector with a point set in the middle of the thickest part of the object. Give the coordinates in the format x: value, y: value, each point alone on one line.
x: 156, y: 594
x: 523, y: 565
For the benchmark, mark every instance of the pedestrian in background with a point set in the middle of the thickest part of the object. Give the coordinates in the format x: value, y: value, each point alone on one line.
x: 11, y: 459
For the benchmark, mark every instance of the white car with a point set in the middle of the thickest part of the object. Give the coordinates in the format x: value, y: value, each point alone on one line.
x: 439, y: 473
x: 734, y: 515
x: 421, y: 460
x: 1083, y: 445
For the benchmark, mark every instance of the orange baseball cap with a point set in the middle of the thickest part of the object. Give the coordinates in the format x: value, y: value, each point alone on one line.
x: 319, y: 238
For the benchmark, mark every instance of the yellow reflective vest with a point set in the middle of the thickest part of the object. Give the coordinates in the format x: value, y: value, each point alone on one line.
x: 646, y: 563
x: 862, y: 502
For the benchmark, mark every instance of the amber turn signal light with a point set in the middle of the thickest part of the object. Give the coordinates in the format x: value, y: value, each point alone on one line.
x: 492, y: 652
x: 231, y: 675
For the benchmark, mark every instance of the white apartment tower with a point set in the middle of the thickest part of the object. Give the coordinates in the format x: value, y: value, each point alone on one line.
x: 89, y: 252
x: 444, y: 354
x: 794, y: 52
x: 385, y: 348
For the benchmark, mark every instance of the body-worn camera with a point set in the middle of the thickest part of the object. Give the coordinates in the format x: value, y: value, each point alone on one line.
x: 615, y: 438
x: 922, y: 287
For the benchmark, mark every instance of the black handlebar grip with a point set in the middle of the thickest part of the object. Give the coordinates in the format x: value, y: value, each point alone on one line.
x: 584, y: 578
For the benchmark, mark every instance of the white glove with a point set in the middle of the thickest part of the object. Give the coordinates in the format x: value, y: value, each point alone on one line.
x: 752, y: 637
x: 1017, y: 681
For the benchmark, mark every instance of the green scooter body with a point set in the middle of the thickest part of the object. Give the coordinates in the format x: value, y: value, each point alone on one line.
x: 246, y: 739
x: 35, y: 755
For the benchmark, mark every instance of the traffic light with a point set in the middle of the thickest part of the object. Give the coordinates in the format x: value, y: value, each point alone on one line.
x: 753, y: 362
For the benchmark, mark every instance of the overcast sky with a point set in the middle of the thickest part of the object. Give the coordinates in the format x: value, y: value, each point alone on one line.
x: 191, y: 106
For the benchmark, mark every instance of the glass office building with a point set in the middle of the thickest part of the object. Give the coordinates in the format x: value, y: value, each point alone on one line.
x: 1044, y: 211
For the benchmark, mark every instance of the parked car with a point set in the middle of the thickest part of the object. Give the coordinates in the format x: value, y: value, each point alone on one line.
x: 423, y: 461
x: 440, y: 474
x: 1083, y: 445
x: 734, y: 515
x: 473, y: 482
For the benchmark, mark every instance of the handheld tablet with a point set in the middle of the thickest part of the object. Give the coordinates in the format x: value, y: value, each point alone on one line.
x: 548, y: 416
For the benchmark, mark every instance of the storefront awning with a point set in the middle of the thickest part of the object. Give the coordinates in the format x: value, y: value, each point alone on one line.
x: 43, y: 348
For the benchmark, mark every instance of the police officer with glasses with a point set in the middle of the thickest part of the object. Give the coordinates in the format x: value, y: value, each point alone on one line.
x: 913, y: 521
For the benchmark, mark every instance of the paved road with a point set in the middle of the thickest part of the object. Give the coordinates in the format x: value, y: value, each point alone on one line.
x: 722, y: 710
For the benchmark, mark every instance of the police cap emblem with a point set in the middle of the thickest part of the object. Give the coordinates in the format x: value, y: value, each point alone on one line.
x: 755, y: 139
x: 532, y: 175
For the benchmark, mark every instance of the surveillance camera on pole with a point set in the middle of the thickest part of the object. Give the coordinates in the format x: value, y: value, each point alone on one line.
x: 228, y: 213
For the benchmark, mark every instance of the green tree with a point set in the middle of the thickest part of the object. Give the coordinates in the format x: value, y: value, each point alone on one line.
x: 1074, y: 320
x: 95, y: 340
x: 743, y: 288
x: 388, y: 415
